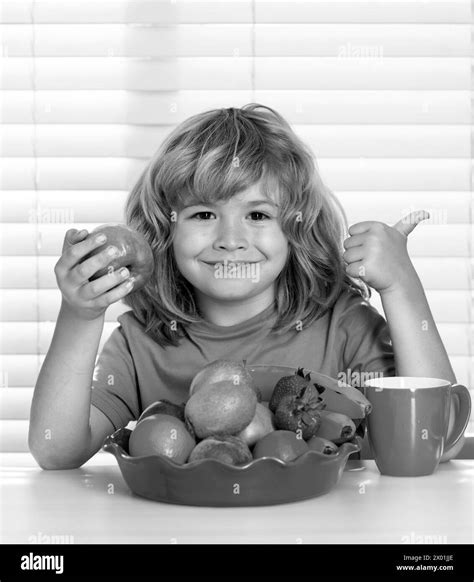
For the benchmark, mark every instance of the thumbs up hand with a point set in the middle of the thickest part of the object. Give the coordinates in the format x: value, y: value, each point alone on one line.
x: 377, y: 253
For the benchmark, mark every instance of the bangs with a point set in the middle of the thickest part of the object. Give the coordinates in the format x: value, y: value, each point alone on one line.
x: 222, y: 190
x: 225, y: 156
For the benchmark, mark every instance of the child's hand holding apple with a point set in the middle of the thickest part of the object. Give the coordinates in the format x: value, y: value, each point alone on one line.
x: 92, y: 273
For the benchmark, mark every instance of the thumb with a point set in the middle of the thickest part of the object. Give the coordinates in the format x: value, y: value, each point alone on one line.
x: 408, y: 222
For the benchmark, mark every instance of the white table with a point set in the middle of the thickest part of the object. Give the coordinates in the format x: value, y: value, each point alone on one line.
x: 93, y: 505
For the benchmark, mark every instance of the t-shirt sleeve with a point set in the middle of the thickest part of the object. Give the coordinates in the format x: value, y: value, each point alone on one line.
x: 114, y: 385
x: 367, y: 346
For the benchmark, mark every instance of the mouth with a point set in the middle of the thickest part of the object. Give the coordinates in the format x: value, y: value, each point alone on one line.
x: 230, y: 263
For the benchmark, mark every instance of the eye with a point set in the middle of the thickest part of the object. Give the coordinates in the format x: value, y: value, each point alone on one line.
x: 200, y: 213
x: 261, y: 214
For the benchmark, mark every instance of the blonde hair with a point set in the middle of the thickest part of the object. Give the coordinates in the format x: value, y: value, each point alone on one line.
x: 210, y: 157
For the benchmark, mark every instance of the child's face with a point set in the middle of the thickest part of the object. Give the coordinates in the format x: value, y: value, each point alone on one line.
x: 208, y: 238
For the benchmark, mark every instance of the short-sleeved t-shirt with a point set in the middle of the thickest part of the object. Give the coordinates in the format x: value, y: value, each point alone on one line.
x: 350, y: 341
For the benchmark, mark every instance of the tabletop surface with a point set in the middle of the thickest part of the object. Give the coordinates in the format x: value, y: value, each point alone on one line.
x: 93, y: 505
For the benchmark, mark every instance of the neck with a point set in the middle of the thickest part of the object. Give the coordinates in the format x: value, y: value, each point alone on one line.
x: 227, y: 313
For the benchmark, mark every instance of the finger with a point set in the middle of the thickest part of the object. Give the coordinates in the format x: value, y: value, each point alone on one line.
x: 354, y: 241
x: 356, y: 270
x: 408, y: 222
x: 76, y: 253
x: 72, y: 237
x: 361, y: 227
x: 86, y: 268
x: 353, y: 255
x: 116, y: 293
x: 105, y: 283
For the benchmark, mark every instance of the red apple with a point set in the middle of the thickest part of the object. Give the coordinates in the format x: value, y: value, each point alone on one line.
x: 135, y: 252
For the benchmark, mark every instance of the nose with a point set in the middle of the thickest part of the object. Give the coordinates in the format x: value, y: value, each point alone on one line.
x: 230, y: 236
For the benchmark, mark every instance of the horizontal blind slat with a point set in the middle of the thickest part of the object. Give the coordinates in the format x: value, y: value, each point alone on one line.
x: 444, y: 207
x: 29, y: 305
x: 190, y: 40
x: 14, y: 437
x: 66, y: 209
x: 15, y: 403
x: 135, y: 141
x: 364, y: 73
x: 19, y: 337
x: 138, y: 74
x: 358, y: 11
x: 164, y: 11
x: 236, y: 73
x: 109, y: 40
x: 127, y: 11
x: 304, y: 106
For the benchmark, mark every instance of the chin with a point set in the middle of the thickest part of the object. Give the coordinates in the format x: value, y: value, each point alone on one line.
x: 236, y: 292
x: 231, y: 295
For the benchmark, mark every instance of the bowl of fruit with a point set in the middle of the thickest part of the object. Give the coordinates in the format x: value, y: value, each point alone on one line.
x: 247, y: 435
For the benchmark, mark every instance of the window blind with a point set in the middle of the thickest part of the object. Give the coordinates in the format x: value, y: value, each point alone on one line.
x: 380, y: 90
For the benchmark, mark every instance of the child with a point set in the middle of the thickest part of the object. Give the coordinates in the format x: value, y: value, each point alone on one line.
x: 249, y: 265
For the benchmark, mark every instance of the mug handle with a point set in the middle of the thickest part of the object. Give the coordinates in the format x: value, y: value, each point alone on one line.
x: 462, y: 419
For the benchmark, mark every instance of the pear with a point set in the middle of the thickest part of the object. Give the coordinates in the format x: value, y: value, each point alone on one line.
x: 222, y: 408
x: 261, y: 424
x: 220, y: 370
x: 228, y: 449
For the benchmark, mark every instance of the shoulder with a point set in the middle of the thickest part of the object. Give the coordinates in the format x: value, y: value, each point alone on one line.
x: 351, y: 308
x: 129, y: 327
x: 134, y: 330
x: 129, y: 321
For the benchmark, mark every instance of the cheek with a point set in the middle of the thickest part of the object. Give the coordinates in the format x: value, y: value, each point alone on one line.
x: 186, y: 241
x: 277, y: 244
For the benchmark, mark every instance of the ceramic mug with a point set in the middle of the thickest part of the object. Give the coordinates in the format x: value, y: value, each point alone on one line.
x: 408, y: 426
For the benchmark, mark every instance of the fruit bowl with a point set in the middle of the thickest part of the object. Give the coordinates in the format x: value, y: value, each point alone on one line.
x: 210, y: 482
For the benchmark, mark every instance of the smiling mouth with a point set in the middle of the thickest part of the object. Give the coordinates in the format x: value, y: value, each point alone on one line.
x: 231, y: 263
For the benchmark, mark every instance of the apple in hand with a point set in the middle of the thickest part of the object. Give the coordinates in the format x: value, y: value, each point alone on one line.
x: 135, y: 252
